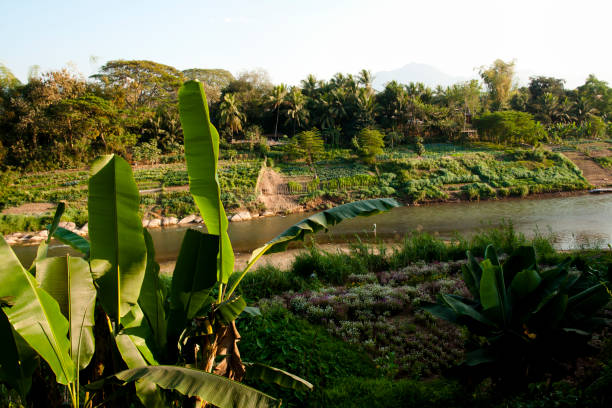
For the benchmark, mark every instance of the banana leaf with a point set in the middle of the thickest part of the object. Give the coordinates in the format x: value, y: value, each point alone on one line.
x: 230, y: 309
x: 73, y: 240
x: 216, y: 390
x: 323, y: 221
x: 69, y: 281
x: 201, y: 155
x: 273, y: 375
x: 193, y: 279
x: 59, y: 211
x: 35, y: 315
x: 115, y: 229
x: 317, y: 222
x: 493, y: 293
x: 17, y: 359
x: 152, y: 296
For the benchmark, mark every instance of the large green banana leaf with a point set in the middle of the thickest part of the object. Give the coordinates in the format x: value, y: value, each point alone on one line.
x: 131, y: 343
x: 152, y: 296
x: 218, y: 391
x: 317, y: 222
x: 194, y: 277
x: 17, y: 359
x: 35, y: 315
x: 273, y: 375
x: 201, y: 155
x: 115, y: 231
x: 73, y: 240
x: 493, y: 293
x: 69, y: 281
x: 323, y: 221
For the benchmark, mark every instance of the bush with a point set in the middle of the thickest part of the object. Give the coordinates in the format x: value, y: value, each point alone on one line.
x: 509, y: 127
x: 268, y: 281
x: 327, y: 267
x: 382, y: 393
x: 146, y: 152
x: 280, y: 339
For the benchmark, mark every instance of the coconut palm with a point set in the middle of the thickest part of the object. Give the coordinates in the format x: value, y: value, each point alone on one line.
x: 276, y: 99
x: 230, y: 116
x: 297, y: 113
x: 365, y: 78
x: 310, y: 85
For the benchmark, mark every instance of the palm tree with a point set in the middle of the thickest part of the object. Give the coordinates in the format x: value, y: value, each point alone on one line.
x: 277, y: 98
x: 310, y: 85
x: 583, y: 109
x: 230, y: 115
x: 365, y: 78
x: 366, y: 106
x: 297, y: 113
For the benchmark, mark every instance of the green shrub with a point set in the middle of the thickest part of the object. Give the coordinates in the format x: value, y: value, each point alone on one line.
x: 519, y: 191
x: 278, y: 338
x: 331, y: 268
x: 384, y: 393
x: 268, y: 280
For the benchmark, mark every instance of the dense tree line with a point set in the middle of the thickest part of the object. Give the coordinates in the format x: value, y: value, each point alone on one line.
x: 61, y: 119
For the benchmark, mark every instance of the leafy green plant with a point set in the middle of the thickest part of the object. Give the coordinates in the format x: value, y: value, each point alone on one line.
x: 527, y: 317
x: 52, y: 314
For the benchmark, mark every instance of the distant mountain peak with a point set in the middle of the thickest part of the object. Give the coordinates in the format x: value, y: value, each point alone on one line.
x: 416, y: 72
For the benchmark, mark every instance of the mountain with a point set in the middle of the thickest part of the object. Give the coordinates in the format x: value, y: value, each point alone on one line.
x: 415, y: 72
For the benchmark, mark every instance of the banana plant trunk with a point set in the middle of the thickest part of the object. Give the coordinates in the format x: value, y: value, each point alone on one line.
x: 223, y: 342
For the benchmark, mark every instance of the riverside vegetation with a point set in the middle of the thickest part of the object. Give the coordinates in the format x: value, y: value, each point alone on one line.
x: 311, y: 319
x: 332, y: 141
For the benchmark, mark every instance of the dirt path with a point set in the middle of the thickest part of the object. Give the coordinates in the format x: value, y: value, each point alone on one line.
x: 593, y: 172
x: 276, y: 203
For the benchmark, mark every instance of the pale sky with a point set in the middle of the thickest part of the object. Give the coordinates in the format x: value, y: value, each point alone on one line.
x: 290, y: 39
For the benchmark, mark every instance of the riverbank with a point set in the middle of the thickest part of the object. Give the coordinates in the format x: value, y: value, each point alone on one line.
x: 448, y: 174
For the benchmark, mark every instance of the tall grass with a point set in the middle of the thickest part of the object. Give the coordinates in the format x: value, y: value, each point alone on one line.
x: 315, y: 267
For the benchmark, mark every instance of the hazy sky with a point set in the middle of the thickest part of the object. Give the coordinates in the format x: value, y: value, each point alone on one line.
x: 290, y: 39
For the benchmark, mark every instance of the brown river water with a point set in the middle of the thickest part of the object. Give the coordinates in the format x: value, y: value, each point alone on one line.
x: 575, y: 221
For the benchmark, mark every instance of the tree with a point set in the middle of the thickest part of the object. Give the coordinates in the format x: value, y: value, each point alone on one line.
x: 214, y: 81
x: 369, y: 143
x: 499, y: 78
x: 7, y: 79
x: 276, y: 99
x: 311, y: 144
x: 598, y: 94
x: 297, y: 114
x: 366, y: 78
x: 230, y: 116
x: 509, y: 127
x: 141, y: 83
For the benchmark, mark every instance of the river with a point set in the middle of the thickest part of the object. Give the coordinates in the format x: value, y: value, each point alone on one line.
x: 574, y: 221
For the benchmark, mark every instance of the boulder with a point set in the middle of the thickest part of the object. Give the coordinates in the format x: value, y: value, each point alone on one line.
x: 43, y: 233
x: 69, y: 225
x: 85, y: 228
x: 188, y: 219
x: 155, y: 223
x: 167, y: 221
x: 145, y: 223
x: 242, y: 216
x: 198, y: 220
x: 267, y: 213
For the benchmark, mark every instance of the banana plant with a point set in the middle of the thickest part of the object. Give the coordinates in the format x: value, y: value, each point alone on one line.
x: 51, y: 314
x: 527, y: 316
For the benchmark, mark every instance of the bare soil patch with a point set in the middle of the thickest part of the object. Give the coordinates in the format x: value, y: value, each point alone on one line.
x: 29, y: 209
x: 276, y: 203
x: 593, y: 172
